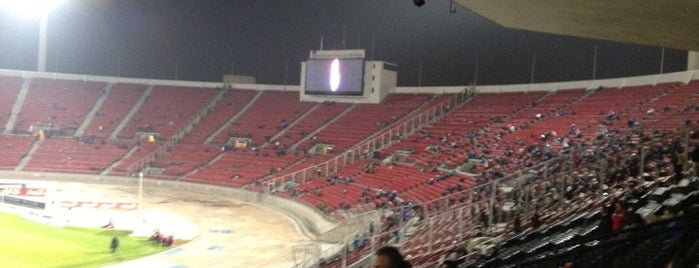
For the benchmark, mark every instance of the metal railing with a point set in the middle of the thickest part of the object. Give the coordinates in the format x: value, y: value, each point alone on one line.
x: 147, y: 160
x: 362, y: 150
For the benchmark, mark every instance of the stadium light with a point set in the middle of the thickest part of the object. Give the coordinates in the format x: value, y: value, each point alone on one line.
x: 30, y: 8
x: 33, y: 9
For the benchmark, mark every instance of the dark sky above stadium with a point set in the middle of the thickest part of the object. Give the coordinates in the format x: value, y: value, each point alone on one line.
x: 203, y: 39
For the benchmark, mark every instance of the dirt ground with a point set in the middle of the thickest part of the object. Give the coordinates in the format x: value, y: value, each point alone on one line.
x: 224, y: 232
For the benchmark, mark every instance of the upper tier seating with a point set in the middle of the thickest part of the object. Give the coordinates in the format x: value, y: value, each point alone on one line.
x: 479, y: 129
x: 321, y: 115
x: 672, y: 109
x: 167, y: 110
x: 551, y: 109
x: 9, y: 88
x: 227, y: 107
x: 474, y: 115
x: 592, y: 112
x: 366, y: 119
x: 268, y: 115
x: 121, y: 99
x: 59, y: 103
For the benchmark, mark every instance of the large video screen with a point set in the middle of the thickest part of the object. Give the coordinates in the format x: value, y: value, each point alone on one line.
x: 334, y: 77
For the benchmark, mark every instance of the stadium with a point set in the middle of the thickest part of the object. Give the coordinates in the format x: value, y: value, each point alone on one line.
x: 584, y: 173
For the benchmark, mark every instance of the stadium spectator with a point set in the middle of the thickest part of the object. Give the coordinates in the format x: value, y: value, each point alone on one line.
x: 115, y: 244
x: 517, y: 225
x: 484, y: 219
x: 390, y: 257
x: 156, y: 235
x: 618, y: 217
x: 169, y: 241
x: 695, y: 159
x: 605, y: 224
x: 110, y: 224
x: 449, y: 264
x: 678, y: 161
x: 536, y: 221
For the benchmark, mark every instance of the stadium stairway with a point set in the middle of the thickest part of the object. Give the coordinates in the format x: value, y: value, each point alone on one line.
x: 131, y: 113
x: 14, y: 148
x: 60, y: 105
x: 17, y: 106
x: 231, y: 103
x: 303, y: 163
x: 98, y: 105
x: 219, y: 156
x: 266, y: 118
x: 549, y: 122
x: 330, y: 122
x: 28, y: 156
x: 167, y: 110
x: 292, y: 124
x: 75, y: 155
x: 118, y: 162
x: 171, y: 145
x: 233, y: 118
x: 368, y: 119
x: 175, y: 147
x: 301, y: 130
x: 417, y: 110
x: 672, y: 108
x: 121, y: 98
x: 9, y: 89
x: 197, y: 118
x: 469, y: 118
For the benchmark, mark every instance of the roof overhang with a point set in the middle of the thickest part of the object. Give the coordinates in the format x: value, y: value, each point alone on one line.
x: 661, y: 23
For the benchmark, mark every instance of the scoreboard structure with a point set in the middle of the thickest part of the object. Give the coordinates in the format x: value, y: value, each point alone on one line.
x: 345, y: 76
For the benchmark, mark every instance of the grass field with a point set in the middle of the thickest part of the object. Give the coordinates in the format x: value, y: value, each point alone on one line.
x: 25, y: 243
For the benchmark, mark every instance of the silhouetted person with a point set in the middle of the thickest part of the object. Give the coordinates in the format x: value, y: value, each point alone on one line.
x: 618, y: 217
x: 115, y: 244
x: 110, y: 224
x: 536, y: 222
x: 484, y: 219
x: 605, y: 223
x: 390, y: 257
x: 449, y: 264
x: 678, y: 161
x: 695, y: 158
x: 517, y: 225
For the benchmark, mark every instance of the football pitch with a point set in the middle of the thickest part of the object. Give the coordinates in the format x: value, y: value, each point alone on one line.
x: 25, y: 243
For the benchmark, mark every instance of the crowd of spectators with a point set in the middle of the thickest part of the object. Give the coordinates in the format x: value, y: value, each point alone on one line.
x: 617, y: 164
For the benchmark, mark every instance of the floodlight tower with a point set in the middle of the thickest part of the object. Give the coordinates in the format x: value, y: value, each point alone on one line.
x: 43, y: 34
x: 35, y: 8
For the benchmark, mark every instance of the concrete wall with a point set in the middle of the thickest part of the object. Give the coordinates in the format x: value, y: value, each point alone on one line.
x: 692, y: 60
x: 153, y: 82
x: 385, y: 83
x: 389, y: 81
x: 239, y: 79
x: 680, y: 77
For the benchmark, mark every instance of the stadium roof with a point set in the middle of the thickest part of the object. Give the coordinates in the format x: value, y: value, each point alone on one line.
x: 662, y: 23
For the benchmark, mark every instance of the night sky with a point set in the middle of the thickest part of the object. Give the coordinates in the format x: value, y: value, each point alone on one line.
x: 203, y: 39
